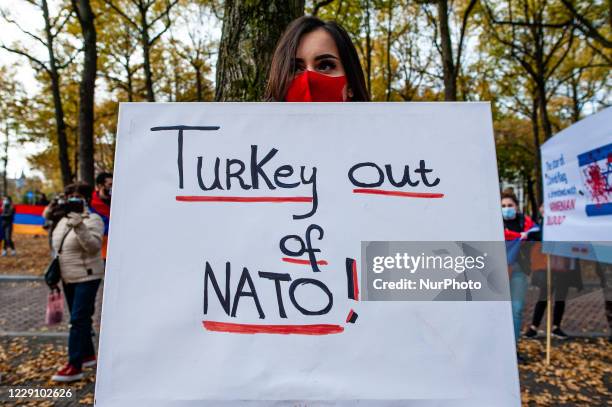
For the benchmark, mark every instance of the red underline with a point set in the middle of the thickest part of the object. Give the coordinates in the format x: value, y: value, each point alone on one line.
x: 195, y: 198
x: 299, y: 261
x: 316, y: 329
x: 398, y: 193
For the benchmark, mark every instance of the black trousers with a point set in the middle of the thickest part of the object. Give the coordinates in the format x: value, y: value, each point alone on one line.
x: 81, y: 298
x: 560, y: 288
x: 7, y: 228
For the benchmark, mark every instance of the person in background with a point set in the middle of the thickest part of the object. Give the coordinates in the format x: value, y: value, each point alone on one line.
x: 604, y: 271
x: 82, y: 269
x: 53, y: 213
x: 101, y: 201
x: 7, y: 217
x: 516, y: 226
x: 41, y: 198
x: 565, y: 274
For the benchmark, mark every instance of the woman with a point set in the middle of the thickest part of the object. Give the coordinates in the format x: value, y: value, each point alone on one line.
x: 565, y: 274
x: 77, y: 239
x: 516, y: 226
x: 8, y: 217
x: 315, y: 61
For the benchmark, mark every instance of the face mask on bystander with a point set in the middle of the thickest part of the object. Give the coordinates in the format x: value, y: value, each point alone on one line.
x: 509, y: 213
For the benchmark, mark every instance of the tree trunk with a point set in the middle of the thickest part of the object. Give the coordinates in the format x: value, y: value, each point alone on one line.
x: 532, y: 199
x: 388, y: 59
x: 60, y: 124
x: 543, y: 105
x: 576, y: 108
x: 199, y: 85
x: 130, y: 84
x: 146, y: 55
x: 448, y: 66
x: 86, y: 90
x: 5, y: 161
x: 251, y: 29
x: 536, y: 141
x: 368, y: 48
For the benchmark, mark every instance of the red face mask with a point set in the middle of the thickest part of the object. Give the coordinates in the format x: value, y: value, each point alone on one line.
x: 312, y: 86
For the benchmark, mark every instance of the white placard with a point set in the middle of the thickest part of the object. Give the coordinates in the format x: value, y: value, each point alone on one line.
x: 163, y: 344
x: 577, y: 179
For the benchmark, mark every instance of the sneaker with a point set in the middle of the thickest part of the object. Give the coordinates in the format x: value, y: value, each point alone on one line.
x: 68, y: 373
x: 559, y: 334
x: 13, y: 252
x: 89, y: 361
x: 3, y: 253
x: 532, y: 332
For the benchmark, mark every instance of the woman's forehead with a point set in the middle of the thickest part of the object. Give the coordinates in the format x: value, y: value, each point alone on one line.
x: 315, y: 43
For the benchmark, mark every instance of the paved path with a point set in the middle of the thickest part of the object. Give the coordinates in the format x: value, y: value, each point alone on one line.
x: 22, y: 310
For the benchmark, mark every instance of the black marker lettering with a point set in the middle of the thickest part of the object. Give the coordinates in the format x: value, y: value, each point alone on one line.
x: 216, y: 183
x: 284, y: 171
x: 181, y: 128
x: 229, y: 174
x: 381, y: 176
x: 277, y: 277
x: 323, y: 287
x: 209, y: 274
x: 315, y: 197
x: 405, y: 179
x: 423, y: 171
x: 257, y: 170
x: 246, y: 278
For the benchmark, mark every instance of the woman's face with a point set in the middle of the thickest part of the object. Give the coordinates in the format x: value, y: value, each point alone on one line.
x: 75, y: 195
x: 318, y: 52
x: 509, y: 208
x: 508, y: 203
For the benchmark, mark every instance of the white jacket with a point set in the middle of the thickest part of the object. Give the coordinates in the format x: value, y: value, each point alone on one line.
x: 81, y: 257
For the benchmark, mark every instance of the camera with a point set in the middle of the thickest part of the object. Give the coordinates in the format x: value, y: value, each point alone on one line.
x: 72, y: 206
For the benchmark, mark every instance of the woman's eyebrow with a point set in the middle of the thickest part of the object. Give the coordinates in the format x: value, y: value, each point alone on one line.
x: 325, y: 56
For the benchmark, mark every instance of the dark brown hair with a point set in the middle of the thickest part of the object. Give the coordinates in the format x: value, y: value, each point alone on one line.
x: 81, y: 188
x: 509, y: 193
x: 283, y: 61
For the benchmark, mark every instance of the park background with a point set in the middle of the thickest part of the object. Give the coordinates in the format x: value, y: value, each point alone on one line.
x: 65, y: 65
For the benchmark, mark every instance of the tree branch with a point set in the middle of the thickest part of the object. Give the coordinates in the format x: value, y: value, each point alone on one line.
x: 466, y: 15
x: 23, y: 30
x: 122, y: 14
x: 164, y: 13
x: 585, y: 25
x: 320, y: 4
x: 30, y: 57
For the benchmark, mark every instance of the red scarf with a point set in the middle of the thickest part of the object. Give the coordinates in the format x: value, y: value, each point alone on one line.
x: 99, y: 206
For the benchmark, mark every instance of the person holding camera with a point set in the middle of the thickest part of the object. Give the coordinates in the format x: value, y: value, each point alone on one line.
x: 77, y: 239
x: 53, y: 213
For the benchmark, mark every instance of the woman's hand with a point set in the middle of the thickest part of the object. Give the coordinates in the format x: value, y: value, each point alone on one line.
x: 74, y: 219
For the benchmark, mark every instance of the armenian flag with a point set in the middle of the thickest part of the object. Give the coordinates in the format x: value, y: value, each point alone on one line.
x: 29, y: 220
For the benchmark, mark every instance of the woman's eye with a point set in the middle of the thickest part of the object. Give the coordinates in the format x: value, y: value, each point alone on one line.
x: 325, y: 66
